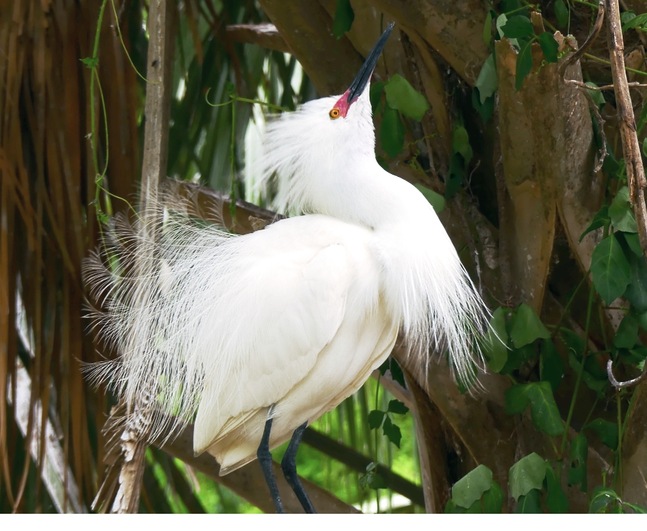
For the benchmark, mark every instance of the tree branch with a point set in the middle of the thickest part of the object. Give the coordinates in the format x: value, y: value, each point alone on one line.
x: 357, y: 461
x: 134, y: 437
x: 158, y: 97
x: 249, y: 483
x: 265, y: 35
x: 627, y: 121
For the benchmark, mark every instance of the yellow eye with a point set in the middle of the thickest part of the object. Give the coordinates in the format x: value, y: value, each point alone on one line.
x: 334, y: 113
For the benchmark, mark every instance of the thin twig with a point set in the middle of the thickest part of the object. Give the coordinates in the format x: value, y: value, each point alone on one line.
x: 581, y: 84
x: 134, y: 438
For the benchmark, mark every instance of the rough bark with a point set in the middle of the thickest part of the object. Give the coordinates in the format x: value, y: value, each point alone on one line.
x: 453, y: 29
x: 633, y: 474
x: 530, y: 135
x: 306, y: 27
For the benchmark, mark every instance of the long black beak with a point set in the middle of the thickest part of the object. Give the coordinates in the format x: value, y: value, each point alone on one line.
x: 364, y: 75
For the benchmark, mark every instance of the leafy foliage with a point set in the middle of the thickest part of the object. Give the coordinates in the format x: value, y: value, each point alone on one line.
x: 394, y: 101
x: 383, y: 419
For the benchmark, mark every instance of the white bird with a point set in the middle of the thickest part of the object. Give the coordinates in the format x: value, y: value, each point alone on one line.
x: 256, y: 336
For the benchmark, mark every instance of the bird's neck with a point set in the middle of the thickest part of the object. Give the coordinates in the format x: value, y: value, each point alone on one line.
x: 363, y: 193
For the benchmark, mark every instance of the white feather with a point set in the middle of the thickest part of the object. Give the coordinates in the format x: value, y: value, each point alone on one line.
x: 288, y: 321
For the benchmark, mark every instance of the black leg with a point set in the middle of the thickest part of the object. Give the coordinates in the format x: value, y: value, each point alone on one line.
x: 289, y: 466
x: 265, y: 459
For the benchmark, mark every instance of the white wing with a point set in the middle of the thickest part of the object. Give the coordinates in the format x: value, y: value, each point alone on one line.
x: 296, y: 282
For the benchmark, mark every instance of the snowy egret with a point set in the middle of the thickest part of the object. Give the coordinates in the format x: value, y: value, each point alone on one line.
x: 256, y: 336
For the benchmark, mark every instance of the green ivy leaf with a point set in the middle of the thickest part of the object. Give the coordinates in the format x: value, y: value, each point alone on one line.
x: 452, y: 508
x: 375, y: 418
x: 496, y: 349
x: 457, y: 174
x: 461, y: 143
x: 400, y: 95
x: 500, y: 23
x: 396, y: 373
x: 344, y: 16
x: 526, y: 475
x: 556, y: 499
x: 518, y: 27
x: 610, y: 269
x: 633, y: 242
x: 573, y: 341
x: 375, y: 94
x: 635, y: 21
x: 594, y: 377
x: 524, y: 65
x: 372, y: 479
x: 516, y: 399
x: 376, y: 481
x: 435, y: 199
x: 392, y: 431
x: 627, y: 333
x: 604, y: 500
x: 518, y: 357
x: 397, y: 407
x: 487, y: 28
x: 634, y: 356
x: 561, y: 13
x: 601, y: 219
x: 551, y: 367
x: 526, y: 327
x: 621, y: 213
x: 90, y: 62
x: 637, y: 290
x: 486, y: 109
x: 606, y: 431
x: 596, y: 95
x: 579, y: 455
x: 642, y: 319
x: 543, y: 408
x: 549, y: 46
x: 471, y: 487
x: 614, y: 167
x: 391, y: 132
x: 492, y: 501
x: 487, y: 81
x: 530, y: 503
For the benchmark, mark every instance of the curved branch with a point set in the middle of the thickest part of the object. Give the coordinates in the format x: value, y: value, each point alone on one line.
x: 626, y: 383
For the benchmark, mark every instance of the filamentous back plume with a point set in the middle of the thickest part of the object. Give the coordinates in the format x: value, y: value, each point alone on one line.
x: 255, y: 336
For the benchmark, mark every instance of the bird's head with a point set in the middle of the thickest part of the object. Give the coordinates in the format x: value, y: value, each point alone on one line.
x: 361, y: 82
x: 308, y: 148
